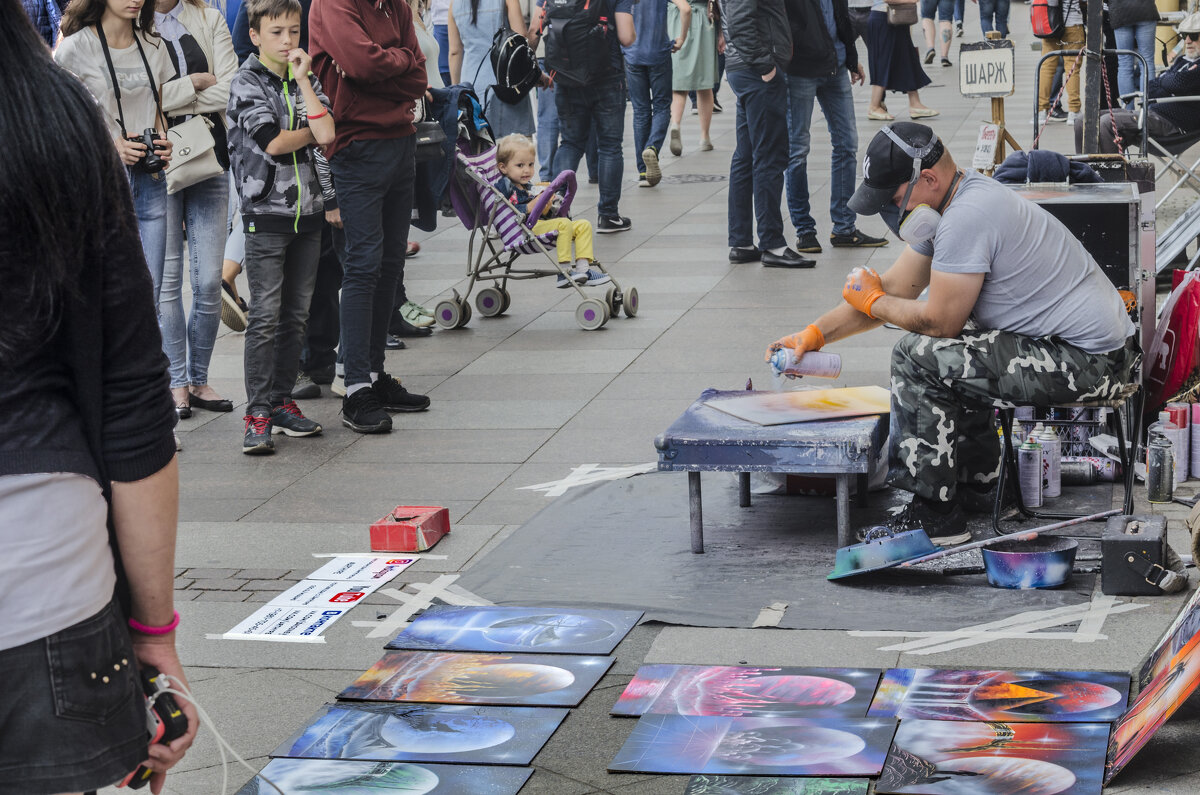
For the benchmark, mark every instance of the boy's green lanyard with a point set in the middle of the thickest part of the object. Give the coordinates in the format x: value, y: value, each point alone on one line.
x: 287, y: 98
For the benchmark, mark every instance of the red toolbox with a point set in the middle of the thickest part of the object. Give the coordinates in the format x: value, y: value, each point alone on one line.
x: 410, y: 528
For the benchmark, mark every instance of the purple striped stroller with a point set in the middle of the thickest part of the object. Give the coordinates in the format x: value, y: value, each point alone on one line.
x: 499, y: 236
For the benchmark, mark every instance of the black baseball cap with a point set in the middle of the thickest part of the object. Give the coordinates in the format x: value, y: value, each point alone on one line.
x: 887, y: 165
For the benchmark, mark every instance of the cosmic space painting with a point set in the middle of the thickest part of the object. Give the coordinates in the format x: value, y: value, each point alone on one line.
x: 755, y: 746
x: 298, y: 776
x: 410, y: 733
x: 774, y: 785
x: 1153, y: 706
x: 934, y: 757
x: 1185, y: 627
x: 1013, y: 696
x: 454, y: 678
x: 545, y: 630
x: 735, y: 692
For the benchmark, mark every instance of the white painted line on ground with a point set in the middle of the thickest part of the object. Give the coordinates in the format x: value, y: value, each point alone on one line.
x: 771, y: 615
x: 589, y: 473
x: 1093, y: 622
x: 442, y: 588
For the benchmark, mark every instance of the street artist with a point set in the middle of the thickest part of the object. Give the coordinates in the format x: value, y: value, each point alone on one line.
x: 1018, y: 314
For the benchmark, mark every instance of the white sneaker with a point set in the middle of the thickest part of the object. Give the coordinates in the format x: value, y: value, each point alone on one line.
x: 338, y: 387
x: 1041, y: 118
x: 1071, y: 117
x: 644, y: 183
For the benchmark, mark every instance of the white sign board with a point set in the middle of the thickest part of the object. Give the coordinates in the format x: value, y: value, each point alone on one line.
x: 278, y: 622
x: 325, y: 593
x: 985, y: 69
x: 985, y: 147
x: 356, y: 569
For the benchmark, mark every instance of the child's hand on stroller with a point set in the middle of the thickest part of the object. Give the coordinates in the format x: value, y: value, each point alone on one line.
x: 554, y: 206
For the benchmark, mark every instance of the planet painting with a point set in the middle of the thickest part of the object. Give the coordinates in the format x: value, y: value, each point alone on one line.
x: 517, y: 629
x: 774, y: 785
x: 298, y: 776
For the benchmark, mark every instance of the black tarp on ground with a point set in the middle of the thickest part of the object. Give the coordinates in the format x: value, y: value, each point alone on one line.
x: 624, y: 544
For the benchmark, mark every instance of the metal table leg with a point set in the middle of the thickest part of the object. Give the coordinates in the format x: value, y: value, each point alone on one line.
x: 695, y: 512
x: 744, y: 489
x: 843, y: 509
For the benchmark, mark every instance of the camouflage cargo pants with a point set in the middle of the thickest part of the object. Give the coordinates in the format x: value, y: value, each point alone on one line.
x: 945, y: 392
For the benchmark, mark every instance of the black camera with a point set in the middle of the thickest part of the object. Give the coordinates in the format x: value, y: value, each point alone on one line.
x: 150, y: 162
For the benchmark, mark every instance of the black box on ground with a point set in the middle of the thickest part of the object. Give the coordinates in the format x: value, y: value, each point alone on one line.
x: 1133, y: 551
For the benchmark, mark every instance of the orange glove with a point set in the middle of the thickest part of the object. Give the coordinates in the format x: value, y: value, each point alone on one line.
x: 863, y: 288
x: 810, y: 339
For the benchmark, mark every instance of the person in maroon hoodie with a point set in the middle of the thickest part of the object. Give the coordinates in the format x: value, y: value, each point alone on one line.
x: 366, y: 55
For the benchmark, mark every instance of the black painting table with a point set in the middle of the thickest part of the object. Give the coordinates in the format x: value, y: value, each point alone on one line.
x: 704, y: 439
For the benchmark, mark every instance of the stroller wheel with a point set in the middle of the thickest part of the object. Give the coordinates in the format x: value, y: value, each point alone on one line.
x: 507, y: 300
x: 591, y: 314
x: 613, y: 299
x: 452, y: 314
x: 631, y: 302
x: 490, y: 301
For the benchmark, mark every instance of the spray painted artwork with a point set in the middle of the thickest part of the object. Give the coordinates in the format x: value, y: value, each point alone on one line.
x: 296, y: 776
x: 410, y: 733
x: 524, y: 629
x: 755, y: 746
x: 774, y: 785
x: 779, y: 408
x: 734, y: 691
x: 934, y: 757
x: 1153, y: 706
x: 455, y: 678
x: 1185, y: 627
x: 1014, y: 696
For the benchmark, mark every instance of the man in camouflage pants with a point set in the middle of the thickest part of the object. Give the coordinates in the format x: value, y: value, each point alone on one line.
x: 1018, y: 314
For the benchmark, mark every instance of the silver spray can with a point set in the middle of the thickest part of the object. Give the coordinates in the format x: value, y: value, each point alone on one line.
x: 1160, y: 469
x: 1051, y: 463
x: 818, y: 363
x: 1029, y: 471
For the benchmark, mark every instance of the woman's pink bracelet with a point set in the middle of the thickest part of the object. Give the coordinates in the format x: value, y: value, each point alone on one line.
x: 138, y: 626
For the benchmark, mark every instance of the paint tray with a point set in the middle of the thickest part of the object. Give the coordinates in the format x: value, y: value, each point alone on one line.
x: 881, y: 553
x: 410, y: 528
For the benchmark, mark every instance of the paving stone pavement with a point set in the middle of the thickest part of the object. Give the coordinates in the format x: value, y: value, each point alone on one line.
x: 522, y: 399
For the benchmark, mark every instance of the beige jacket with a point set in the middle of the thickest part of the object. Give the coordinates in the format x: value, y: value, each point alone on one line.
x: 208, y: 26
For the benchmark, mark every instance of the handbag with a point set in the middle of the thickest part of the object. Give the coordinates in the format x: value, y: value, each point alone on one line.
x: 194, y: 158
x: 430, y: 135
x: 902, y: 13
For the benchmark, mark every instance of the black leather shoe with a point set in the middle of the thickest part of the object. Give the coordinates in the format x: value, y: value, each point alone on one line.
x: 788, y: 259
x: 399, y: 327
x: 183, y: 411
x: 740, y: 254
x: 221, y: 404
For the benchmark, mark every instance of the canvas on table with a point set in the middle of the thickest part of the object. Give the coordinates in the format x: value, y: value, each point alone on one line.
x: 936, y: 757
x: 425, y: 733
x: 779, y: 408
x: 340, y: 777
x: 737, y: 691
x: 1015, y: 696
x: 463, y: 678
x: 755, y: 746
x: 774, y: 785
x: 547, y: 630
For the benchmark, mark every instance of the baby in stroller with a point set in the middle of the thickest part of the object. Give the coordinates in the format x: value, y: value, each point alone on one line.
x: 516, y: 160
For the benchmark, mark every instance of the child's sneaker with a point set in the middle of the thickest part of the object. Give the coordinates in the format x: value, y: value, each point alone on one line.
x: 288, y: 419
x: 592, y: 277
x: 257, y: 440
x: 578, y: 277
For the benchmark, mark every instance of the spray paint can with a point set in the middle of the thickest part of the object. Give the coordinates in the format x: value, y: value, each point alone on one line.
x: 1029, y: 471
x: 1023, y: 413
x: 1180, y: 438
x: 1195, y: 434
x: 1082, y: 470
x: 1051, y: 463
x: 1160, y: 463
x: 818, y: 363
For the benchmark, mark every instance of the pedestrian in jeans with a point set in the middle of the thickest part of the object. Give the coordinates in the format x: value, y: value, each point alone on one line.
x: 367, y: 55
x: 1071, y: 38
x: 597, y: 103
x: 648, y: 69
x: 277, y: 114
x: 758, y: 47
x: 824, y: 65
x: 1134, y: 23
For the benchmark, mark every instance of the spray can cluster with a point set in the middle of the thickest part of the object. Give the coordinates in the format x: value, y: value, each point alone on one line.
x: 1039, y: 466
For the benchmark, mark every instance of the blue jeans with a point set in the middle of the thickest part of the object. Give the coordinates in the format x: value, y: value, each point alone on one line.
x: 547, y: 131
x: 374, y: 181
x: 759, y: 159
x: 600, y: 108
x: 994, y: 8
x: 1138, y: 37
x: 837, y: 103
x: 204, y: 208
x: 942, y: 9
x: 960, y: 10
x: 150, y: 205
x: 650, y: 95
x: 441, y: 34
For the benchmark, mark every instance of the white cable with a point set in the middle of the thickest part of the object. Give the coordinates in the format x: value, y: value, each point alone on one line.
x: 222, y: 745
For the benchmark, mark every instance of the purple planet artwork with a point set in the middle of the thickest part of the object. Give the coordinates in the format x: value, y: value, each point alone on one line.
x: 734, y: 691
x: 295, y: 776
x: 755, y: 746
x: 1013, y: 696
x: 934, y: 757
x: 398, y: 733
x: 545, y: 630
x: 774, y: 785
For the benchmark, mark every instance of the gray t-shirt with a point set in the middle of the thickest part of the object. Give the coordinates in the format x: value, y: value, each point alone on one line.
x: 1041, y: 281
